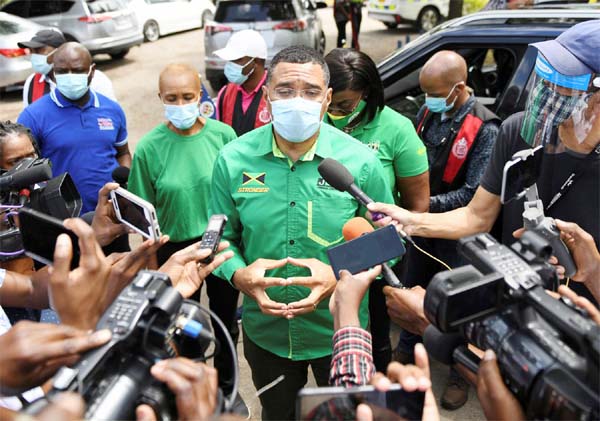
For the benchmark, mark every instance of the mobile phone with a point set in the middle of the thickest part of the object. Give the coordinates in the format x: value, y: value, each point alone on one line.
x: 320, y: 403
x: 212, y: 235
x: 520, y: 173
x: 39, y: 232
x: 136, y: 213
x: 366, y: 251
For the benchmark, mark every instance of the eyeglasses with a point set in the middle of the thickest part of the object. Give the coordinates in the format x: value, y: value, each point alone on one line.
x: 312, y: 94
x: 343, y: 110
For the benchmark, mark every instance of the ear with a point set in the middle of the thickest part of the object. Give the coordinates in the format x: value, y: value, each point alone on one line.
x: 92, y: 71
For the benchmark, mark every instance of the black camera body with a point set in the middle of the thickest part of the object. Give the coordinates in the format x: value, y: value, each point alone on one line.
x: 149, y: 321
x: 30, y: 183
x: 548, y: 350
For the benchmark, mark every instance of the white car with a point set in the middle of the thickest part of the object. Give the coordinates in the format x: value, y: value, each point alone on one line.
x: 162, y: 17
x: 426, y: 14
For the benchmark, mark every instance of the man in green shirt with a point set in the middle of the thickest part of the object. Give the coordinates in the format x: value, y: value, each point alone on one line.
x: 282, y: 218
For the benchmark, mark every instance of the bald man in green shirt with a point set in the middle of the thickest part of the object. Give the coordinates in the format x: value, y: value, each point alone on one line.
x: 282, y: 218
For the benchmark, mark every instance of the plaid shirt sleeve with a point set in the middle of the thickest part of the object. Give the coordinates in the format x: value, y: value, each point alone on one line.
x: 352, y: 359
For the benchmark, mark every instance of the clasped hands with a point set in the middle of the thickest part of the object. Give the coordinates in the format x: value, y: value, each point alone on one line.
x: 252, y: 281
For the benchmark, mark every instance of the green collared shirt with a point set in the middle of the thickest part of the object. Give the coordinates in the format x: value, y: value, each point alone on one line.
x: 277, y: 209
x: 393, y: 137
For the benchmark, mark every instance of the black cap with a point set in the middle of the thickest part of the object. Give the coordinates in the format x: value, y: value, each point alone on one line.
x: 45, y: 37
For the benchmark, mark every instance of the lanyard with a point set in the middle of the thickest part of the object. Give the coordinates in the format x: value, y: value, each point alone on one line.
x: 573, y: 176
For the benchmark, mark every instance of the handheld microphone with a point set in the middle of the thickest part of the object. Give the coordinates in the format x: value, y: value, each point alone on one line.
x: 358, y: 226
x: 449, y: 348
x: 26, y: 177
x: 121, y: 175
x: 338, y: 177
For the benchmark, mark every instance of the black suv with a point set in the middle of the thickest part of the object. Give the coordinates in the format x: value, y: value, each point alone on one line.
x: 495, y: 45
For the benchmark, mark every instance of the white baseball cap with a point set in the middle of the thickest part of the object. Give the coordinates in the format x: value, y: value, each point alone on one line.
x: 244, y: 43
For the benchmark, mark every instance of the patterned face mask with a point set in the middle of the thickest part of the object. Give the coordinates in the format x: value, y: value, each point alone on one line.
x: 545, y: 111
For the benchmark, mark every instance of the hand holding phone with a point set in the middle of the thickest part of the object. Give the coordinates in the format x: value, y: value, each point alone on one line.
x: 136, y: 213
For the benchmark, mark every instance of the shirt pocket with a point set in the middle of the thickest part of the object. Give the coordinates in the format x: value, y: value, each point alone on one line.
x: 326, y: 217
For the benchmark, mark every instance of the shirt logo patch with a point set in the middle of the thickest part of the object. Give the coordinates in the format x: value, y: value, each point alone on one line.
x: 264, y: 116
x: 105, y: 124
x: 322, y: 184
x: 207, y: 109
x: 374, y: 145
x: 253, y: 183
x: 460, y: 149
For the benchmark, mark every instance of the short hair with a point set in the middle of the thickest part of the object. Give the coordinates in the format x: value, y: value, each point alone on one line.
x: 356, y: 71
x: 299, y: 54
x: 8, y: 129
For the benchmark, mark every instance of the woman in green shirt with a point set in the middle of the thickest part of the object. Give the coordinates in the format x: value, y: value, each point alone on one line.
x: 357, y: 107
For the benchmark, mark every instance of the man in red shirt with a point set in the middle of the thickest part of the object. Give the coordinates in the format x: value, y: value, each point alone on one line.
x: 240, y: 103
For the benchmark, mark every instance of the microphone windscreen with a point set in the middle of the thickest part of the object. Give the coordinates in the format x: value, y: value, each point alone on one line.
x: 336, y: 175
x: 120, y: 175
x: 441, y: 345
x: 356, y: 227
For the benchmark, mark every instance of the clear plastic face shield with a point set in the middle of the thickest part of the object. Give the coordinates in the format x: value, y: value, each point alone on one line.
x: 562, y: 112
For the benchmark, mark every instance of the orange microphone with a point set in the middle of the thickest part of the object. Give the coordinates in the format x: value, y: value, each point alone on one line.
x: 358, y: 226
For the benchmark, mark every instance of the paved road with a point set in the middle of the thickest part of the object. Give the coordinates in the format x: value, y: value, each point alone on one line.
x: 135, y: 81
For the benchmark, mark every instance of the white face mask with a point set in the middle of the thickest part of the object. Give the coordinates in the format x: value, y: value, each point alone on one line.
x: 296, y: 119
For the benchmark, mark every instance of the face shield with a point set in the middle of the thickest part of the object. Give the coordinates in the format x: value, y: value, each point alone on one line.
x: 562, y: 112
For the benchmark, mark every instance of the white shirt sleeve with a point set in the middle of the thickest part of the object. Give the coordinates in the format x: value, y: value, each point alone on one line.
x: 102, y: 84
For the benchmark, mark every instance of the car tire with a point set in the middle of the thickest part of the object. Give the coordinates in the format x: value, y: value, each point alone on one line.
x: 151, y: 31
x: 321, y: 43
x: 429, y: 17
x: 119, y: 54
x: 206, y: 16
x: 390, y: 25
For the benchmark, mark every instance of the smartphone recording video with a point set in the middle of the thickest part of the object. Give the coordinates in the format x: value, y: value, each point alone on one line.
x: 136, y: 213
x: 520, y: 174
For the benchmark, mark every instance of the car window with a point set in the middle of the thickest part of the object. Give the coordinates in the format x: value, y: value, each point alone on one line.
x: 250, y: 11
x: 52, y: 7
x: 104, y: 6
x: 17, y: 8
x: 489, y: 72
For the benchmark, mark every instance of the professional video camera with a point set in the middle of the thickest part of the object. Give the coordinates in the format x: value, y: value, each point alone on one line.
x: 548, y: 350
x: 149, y: 321
x: 30, y: 183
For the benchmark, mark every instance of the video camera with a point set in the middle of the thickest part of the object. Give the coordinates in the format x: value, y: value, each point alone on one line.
x: 149, y: 321
x: 30, y: 183
x: 548, y: 350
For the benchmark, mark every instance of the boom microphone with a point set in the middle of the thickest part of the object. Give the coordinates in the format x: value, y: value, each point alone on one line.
x: 338, y: 177
x: 25, y: 178
x: 358, y: 226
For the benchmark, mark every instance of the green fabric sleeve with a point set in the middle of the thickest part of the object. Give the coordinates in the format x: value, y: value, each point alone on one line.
x: 410, y: 154
x: 140, y: 177
x: 222, y: 202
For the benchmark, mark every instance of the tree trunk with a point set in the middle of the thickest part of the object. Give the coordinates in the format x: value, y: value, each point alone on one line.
x: 455, y: 9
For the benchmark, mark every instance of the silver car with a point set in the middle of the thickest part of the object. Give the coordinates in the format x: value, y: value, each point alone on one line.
x: 15, y: 64
x: 282, y: 23
x: 103, y: 26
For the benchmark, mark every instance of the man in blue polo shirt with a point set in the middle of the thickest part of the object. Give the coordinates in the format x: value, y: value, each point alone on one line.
x: 81, y: 131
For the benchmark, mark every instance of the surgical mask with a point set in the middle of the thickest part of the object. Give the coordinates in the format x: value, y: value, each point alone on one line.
x: 72, y: 85
x: 233, y: 72
x: 182, y: 116
x: 296, y: 119
x: 40, y: 64
x: 341, y: 121
x: 438, y: 105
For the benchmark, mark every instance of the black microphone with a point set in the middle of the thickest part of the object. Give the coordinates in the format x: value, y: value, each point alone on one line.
x: 449, y: 348
x: 121, y: 175
x: 340, y: 179
x: 25, y: 178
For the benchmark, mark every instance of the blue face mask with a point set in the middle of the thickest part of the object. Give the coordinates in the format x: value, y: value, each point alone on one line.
x: 233, y: 72
x: 296, y: 119
x: 72, y: 85
x: 40, y: 64
x: 438, y: 105
x: 182, y: 116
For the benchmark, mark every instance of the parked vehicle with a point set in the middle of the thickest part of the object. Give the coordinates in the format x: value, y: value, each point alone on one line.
x: 425, y: 14
x: 282, y: 23
x: 15, y: 64
x: 161, y: 17
x: 103, y: 26
x: 495, y: 45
